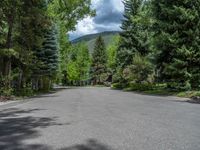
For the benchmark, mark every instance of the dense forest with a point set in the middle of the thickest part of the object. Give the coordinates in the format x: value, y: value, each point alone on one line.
x: 158, y: 48
x: 33, y: 42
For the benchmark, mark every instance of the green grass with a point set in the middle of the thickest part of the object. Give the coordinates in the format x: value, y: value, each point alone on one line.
x: 189, y: 94
x: 185, y: 94
x: 160, y: 92
x: 161, y: 89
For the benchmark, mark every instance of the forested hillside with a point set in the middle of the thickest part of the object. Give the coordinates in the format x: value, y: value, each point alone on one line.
x: 91, y: 38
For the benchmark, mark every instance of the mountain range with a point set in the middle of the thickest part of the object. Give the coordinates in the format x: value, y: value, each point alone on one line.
x: 91, y: 38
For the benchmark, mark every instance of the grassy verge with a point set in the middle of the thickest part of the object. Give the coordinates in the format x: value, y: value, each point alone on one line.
x: 23, y: 94
x: 158, y: 89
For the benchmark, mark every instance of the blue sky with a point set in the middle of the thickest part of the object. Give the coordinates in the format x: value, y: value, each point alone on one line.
x: 109, y: 14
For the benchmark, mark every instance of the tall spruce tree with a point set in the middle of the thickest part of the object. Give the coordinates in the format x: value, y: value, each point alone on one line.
x: 131, y: 40
x: 99, y: 61
x: 48, y: 59
x: 177, y: 42
x: 50, y: 52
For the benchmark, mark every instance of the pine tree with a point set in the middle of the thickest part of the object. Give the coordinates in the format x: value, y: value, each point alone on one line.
x: 131, y: 40
x: 177, y: 42
x: 194, y: 41
x: 50, y: 51
x: 99, y: 61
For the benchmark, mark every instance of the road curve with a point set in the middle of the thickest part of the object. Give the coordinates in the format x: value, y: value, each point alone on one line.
x: 100, y: 119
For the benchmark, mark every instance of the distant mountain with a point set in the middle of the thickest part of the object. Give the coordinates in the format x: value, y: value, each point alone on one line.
x: 91, y: 38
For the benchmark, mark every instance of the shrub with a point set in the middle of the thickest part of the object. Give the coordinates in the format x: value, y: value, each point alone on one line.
x: 141, y: 86
x: 5, y: 90
x: 118, y: 86
x: 117, y: 77
x: 142, y: 70
x: 24, y: 92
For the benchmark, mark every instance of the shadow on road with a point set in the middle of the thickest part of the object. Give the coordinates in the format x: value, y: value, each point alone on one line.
x: 16, y: 126
x: 90, y: 145
x: 191, y: 101
x: 51, y: 93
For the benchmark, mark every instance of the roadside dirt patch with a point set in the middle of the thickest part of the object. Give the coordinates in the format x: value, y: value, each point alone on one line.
x: 5, y: 98
x: 195, y: 99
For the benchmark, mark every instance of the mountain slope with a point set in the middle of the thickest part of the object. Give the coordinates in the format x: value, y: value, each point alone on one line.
x: 91, y: 38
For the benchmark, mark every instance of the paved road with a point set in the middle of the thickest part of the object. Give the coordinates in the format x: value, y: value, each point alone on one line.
x: 100, y: 119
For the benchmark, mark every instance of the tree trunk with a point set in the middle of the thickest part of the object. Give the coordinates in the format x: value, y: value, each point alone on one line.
x: 20, y: 78
x: 7, y: 59
x: 1, y: 66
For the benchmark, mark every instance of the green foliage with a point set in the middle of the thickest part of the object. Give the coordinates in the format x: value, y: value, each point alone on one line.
x: 111, y: 52
x: 49, y: 52
x: 140, y: 87
x: 132, y: 37
x: 35, y: 50
x: 9, y: 53
x: 4, y: 90
x: 117, y: 86
x: 141, y: 71
x: 29, y: 41
x: 77, y: 63
x: 99, y: 62
x: 69, y: 11
x: 83, y: 61
x: 90, y: 39
x: 189, y: 94
x: 177, y: 42
x: 133, y: 53
x: 25, y: 91
x: 172, y: 46
x: 118, y: 76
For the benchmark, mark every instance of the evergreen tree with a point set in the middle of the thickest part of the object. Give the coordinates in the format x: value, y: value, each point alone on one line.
x: 177, y: 42
x: 33, y: 22
x: 99, y: 62
x: 50, y: 52
x: 131, y: 40
x: 28, y: 48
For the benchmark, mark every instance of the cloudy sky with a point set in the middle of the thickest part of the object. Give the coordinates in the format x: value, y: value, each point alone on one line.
x: 109, y: 14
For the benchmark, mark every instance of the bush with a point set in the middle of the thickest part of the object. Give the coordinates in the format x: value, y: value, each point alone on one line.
x: 141, y: 70
x: 118, y: 86
x: 6, y: 92
x: 4, y: 89
x: 117, y: 76
x: 103, y: 77
x: 141, y: 86
x: 174, y: 86
x: 24, y: 92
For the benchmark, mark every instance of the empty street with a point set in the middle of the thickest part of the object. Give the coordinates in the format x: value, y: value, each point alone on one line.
x: 100, y: 119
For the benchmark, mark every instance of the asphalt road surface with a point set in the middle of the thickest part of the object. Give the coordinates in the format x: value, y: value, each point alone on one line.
x: 100, y: 119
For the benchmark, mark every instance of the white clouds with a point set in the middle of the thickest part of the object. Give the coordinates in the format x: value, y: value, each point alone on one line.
x: 108, y: 17
x: 95, y: 3
x: 118, y: 5
x: 85, y: 26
